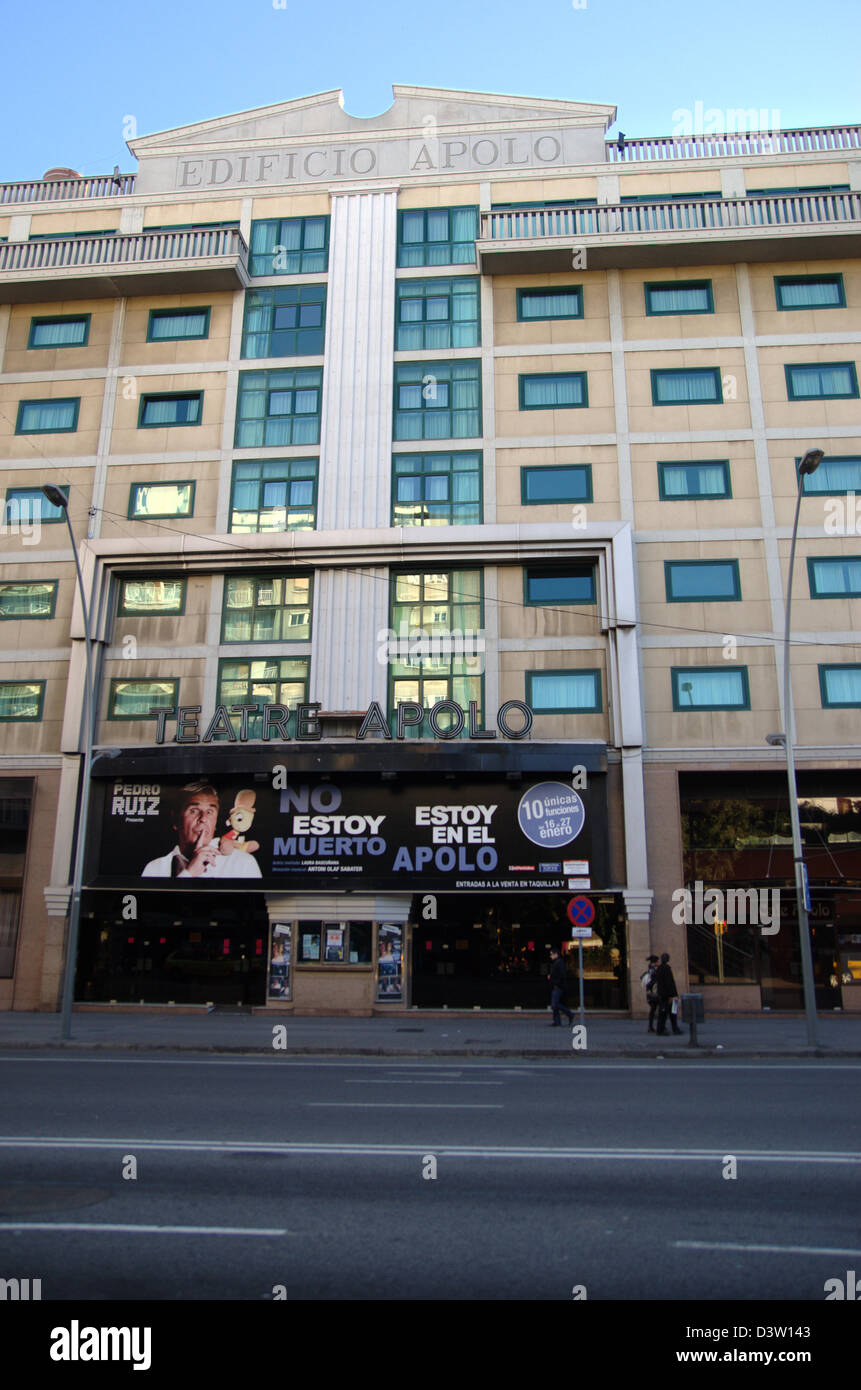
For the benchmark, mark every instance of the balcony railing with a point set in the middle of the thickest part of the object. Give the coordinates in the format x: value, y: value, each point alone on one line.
x: 821, y: 140
x: 712, y: 214
x: 123, y: 264
x: 59, y: 190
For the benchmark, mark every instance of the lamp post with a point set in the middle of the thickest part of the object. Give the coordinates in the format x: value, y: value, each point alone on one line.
x: 59, y: 499
x: 809, y: 464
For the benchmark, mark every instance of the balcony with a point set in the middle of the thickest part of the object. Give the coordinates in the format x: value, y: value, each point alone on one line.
x: 114, y: 265
x: 817, y: 140
x: 701, y: 231
x: 55, y: 190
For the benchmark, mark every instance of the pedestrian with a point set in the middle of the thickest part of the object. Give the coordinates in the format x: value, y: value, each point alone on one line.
x: 558, y: 989
x: 647, y: 980
x: 665, y: 988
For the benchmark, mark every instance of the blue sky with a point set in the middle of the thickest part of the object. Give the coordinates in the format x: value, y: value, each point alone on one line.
x: 74, y: 73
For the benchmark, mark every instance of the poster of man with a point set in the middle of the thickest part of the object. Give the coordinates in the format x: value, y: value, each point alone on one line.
x: 389, y: 963
x: 199, y: 852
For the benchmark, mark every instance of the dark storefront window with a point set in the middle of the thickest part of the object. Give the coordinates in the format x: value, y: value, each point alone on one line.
x: 334, y: 943
x: 14, y: 822
x: 738, y: 869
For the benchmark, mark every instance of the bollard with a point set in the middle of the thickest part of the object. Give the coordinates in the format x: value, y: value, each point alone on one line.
x: 693, y: 1013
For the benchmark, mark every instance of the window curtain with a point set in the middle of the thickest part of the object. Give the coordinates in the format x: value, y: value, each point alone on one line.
x: 573, y: 690
x: 843, y: 687
x: 675, y: 301
x: 674, y: 387
x: 808, y: 296
x: 821, y: 381
x: 178, y: 326
x: 710, y: 688
x: 48, y: 415
x: 837, y: 576
x: 549, y: 305
x: 60, y: 334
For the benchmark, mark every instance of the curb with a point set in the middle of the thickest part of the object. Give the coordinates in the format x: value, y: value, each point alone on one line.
x: 698, y: 1053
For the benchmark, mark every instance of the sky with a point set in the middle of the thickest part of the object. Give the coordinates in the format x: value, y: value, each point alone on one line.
x: 80, y: 75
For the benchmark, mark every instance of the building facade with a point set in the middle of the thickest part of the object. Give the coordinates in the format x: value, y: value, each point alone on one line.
x: 433, y: 479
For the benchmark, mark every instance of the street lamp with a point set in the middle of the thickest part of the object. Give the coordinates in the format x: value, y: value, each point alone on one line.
x: 59, y: 499
x: 809, y: 464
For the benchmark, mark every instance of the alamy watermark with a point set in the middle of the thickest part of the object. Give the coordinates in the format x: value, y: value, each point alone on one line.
x: 719, y: 120
x: 465, y: 645
x: 734, y: 907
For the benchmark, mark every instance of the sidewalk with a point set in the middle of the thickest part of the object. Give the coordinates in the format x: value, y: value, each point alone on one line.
x: 421, y: 1035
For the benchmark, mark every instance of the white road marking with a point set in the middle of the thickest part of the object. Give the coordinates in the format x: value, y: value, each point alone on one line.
x: 396, y: 1105
x: 765, y: 1249
x: 112, y: 1228
x: 419, y: 1081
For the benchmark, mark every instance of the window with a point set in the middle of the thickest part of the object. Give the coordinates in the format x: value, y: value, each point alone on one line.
x: 288, y: 322
x: 444, y: 609
x: 269, y: 680
x: 679, y: 297
x: 563, y: 303
x: 707, y: 479
x: 436, y: 489
x: 821, y: 381
x: 544, y: 584
x: 142, y: 598
x: 686, y: 386
x: 48, y: 417
x: 710, y: 580
x: 437, y: 236
x: 437, y: 314
x: 160, y: 500
x: 840, y: 686
x: 31, y: 600
x: 838, y: 577
x: 21, y: 700
x: 836, y: 473
x: 707, y: 687
x: 564, y: 692
x: 274, y: 495
x: 28, y: 504
x: 136, y: 699
x: 67, y: 331
x: 267, y: 608
x: 556, y: 391
x: 178, y: 408
x: 167, y: 325
x: 543, y: 484
x: 334, y: 942
x: 279, y: 407
x: 437, y: 400
x: 809, y: 292
x: 289, y: 246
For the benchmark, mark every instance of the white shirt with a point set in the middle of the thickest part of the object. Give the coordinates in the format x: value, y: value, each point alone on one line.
x: 239, y: 864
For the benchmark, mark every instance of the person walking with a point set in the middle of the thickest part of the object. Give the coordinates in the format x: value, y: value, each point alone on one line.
x: 558, y: 990
x: 665, y: 988
x: 647, y: 980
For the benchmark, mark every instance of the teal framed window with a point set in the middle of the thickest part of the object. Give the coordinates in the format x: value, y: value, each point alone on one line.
x: 172, y: 325
x: 437, y: 400
x: 441, y: 614
x: 274, y: 495
x: 809, y: 292
x: 285, y: 322
x: 61, y: 331
x: 552, y: 584
x: 289, y: 246
x: 266, y: 680
x: 710, y: 687
x: 437, y: 314
x: 436, y: 489
x: 28, y: 600
x: 21, y: 701
x: 816, y: 381
x: 708, y: 479
x: 267, y: 608
x: 837, y: 576
x: 564, y: 692
x: 712, y: 581
x: 437, y: 236
x: 836, y: 474
x: 48, y: 417
x: 552, y: 390
x: 25, y: 505
x: 679, y: 297
x: 145, y: 598
x: 170, y: 410
x: 149, y: 501
x: 840, y: 686
x: 136, y: 699
x: 279, y: 407
x: 543, y: 484
x: 565, y: 302
x: 686, y: 386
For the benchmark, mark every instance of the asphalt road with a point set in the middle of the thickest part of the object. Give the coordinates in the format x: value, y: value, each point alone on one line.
x: 259, y: 1178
